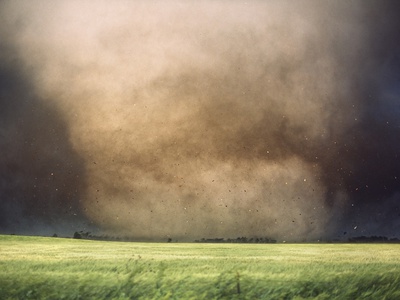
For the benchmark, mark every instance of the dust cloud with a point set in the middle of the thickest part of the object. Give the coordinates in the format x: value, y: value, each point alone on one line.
x: 191, y: 119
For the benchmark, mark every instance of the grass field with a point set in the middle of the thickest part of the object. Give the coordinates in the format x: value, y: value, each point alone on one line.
x: 55, y: 268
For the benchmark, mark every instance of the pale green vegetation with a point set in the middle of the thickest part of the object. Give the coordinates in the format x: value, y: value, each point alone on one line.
x: 55, y: 268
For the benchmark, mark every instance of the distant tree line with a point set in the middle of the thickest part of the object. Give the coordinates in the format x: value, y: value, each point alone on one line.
x: 89, y: 236
x: 373, y: 239
x: 242, y: 240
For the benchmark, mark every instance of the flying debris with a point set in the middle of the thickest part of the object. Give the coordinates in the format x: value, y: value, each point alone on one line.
x: 288, y: 111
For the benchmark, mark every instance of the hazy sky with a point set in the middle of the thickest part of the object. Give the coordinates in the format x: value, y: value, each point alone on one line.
x: 191, y: 119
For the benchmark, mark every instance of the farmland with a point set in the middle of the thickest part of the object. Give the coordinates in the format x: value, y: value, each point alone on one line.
x: 57, y: 268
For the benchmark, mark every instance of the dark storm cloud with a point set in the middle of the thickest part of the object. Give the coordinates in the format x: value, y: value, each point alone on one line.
x: 41, y: 176
x: 366, y: 159
x: 195, y: 119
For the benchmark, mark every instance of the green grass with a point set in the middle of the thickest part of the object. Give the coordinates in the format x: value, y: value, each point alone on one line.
x: 54, y: 268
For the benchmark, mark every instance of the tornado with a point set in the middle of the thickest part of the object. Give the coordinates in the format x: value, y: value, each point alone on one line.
x: 192, y: 119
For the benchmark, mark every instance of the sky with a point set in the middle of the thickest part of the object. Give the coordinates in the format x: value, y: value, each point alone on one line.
x: 200, y: 119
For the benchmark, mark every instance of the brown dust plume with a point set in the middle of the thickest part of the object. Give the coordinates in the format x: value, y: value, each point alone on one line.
x: 191, y: 119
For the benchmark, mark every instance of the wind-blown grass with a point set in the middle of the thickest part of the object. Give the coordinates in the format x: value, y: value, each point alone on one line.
x: 55, y: 268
